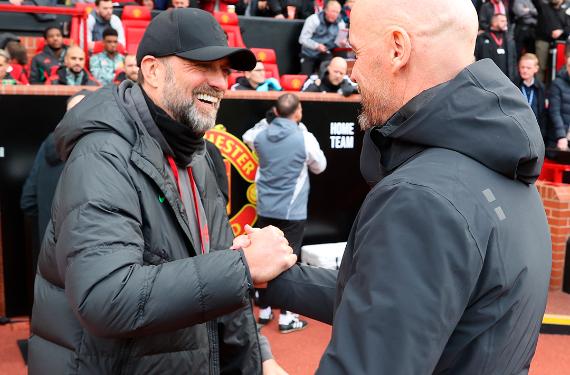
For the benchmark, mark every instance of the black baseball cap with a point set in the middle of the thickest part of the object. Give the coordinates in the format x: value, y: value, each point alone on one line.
x: 191, y: 34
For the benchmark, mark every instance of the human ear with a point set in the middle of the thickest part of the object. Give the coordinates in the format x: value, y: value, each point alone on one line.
x: 400, y: 48
x: 150, y: 68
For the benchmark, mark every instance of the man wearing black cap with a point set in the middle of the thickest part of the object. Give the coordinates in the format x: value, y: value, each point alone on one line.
x: 136, y: 275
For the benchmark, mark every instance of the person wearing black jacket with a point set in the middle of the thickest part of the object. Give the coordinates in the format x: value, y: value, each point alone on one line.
x: 52, y: 55
x: 496, y: 44
x: 560, y: 109
x: 553, y: 24
x: 447, y: 266
x: 137, y: 262
x: 533, y: 90
x: 332, y: 79
x: 489, y: 9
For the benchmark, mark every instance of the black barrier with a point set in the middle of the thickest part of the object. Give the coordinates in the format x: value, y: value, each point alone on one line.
x: 335, y: 195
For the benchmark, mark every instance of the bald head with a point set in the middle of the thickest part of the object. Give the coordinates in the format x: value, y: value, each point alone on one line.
x: 412, y: 46
x: 337, y: 70
x: 75, y: 59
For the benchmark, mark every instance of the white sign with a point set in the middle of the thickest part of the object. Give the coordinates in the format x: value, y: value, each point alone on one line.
x: 1, y: 152
x: 342, y: 134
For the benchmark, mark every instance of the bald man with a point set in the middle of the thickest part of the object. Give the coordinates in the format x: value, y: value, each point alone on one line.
x: 447, y: 267
x: 73, y: 72
x: 332, y: 79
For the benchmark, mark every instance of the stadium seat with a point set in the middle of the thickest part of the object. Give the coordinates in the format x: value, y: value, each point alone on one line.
x: 75, y: 28
x: 293, y: 82
x: 230, y: 25
x: 135, y: 20
x: 233, y: 78
x: 560, y: 55
x: 223, y: 4
x: 269, y: 59
x: 98, y: 48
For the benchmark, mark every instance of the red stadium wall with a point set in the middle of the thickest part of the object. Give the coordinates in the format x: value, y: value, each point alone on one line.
x: 556, y: 200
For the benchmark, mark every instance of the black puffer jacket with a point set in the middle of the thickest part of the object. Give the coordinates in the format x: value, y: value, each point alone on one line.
x: 120, y: 289
x: 447, y: 266
x: 560, y: 106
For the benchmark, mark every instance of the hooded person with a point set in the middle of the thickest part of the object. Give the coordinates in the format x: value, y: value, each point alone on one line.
x: 447, y: 266
x: 137, y: 263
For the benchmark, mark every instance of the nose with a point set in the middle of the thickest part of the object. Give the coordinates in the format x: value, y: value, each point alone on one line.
x: 354, y: 72
x: 218, y: 79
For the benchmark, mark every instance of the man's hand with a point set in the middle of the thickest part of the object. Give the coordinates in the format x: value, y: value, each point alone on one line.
x: 16, y: 2
x: 322, y: 48
x: 271, y: 367
x: 240, y: 241
x: 562, y: 143
x: 556, y: 33
x: 268, y: 255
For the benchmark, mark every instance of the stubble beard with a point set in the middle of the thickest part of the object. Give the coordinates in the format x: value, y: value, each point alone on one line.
x: 183, y: 109
x: 375, y: 106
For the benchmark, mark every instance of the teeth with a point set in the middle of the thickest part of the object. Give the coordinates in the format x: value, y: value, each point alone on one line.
x: 208, y: 98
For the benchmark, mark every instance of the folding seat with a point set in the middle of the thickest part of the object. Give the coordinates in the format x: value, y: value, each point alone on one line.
x: 98, y: 48
x: 230, y: 25
x: 135, y: 21
x: 293, y: 82
x: 269, y: 59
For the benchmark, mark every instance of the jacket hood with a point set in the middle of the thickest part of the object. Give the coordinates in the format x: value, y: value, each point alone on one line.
x: 88, y: 117
x: 479, y: 113
x: 51, y: 155
x: 280, y: 128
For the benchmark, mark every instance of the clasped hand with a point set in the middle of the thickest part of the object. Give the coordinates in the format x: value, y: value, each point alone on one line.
x: 267, y: 253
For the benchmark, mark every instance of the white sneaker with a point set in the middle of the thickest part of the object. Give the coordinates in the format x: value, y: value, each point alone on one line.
x: 265, y: 316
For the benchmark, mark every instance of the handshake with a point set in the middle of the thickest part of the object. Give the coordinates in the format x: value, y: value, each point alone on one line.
x: 267, y: 253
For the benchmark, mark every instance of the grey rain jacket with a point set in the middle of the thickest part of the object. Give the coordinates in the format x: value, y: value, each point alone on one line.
x: 120, y: 289
x: 447, y: 266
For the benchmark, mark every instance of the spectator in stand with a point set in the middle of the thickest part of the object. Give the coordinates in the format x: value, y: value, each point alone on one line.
x: 149, y: 4
x: 333, y: 79
x: 131, y: 70
x: 255, y: 80
x: 488, y: 10
x: 5, y: 77
x: 19, y: 61
x: 560, y: 109
x: 318, y: 37
x: 345, y: 13
x: 52, y: 56
x: 526, y: 17
x: 533, y: 89
x: 185, y: 4
x: 102, y: 18
x: 282, y: 9
x: 497, y: 45
x: 73, y: 72
x: 104, y: 65
x: 553, y: 24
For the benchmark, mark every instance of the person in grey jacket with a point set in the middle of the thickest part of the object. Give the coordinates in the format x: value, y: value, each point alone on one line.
x: 136, y: 274
x: 287, y: 153
x: 318, y: 37
x: 447, y: 266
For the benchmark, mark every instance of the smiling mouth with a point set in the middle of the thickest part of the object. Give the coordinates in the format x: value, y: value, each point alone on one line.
x: 208, y: 99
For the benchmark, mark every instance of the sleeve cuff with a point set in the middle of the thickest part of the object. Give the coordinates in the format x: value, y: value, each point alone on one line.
x: 250, y: 288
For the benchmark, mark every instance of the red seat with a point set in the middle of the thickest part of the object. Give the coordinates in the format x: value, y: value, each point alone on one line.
x: 230, y: 25
x: 135, y: 21
x: 293, y: 82
x: 553, y: 172
x: 560, y: 55
x: 233, y: 78
x: 75, y: 28
x: 269, y: 59
x: 98, y: 48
